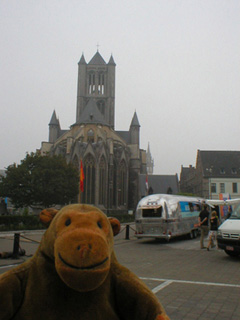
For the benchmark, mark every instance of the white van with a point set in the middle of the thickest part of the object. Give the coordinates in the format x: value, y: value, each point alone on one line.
x: 229, y: 234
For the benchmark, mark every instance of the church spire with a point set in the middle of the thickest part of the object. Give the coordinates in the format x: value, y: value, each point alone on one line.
x: 149, y: 160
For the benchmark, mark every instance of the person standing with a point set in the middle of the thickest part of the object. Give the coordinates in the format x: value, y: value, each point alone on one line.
x: 203, y: 224
x: 214, y: 223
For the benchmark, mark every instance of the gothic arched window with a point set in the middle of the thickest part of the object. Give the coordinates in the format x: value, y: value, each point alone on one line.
x: 101, y: 83
x: 90, y: 136
x: 122, y: 184
x: 102, y: 181
x: 89, y: 182
x: 91, y: 83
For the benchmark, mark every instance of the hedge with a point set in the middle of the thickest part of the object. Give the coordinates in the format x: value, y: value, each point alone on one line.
x: 20, y: 222
x: 32, y: 222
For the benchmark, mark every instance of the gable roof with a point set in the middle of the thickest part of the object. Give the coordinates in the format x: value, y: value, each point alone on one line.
x: 158, y: 183
x: 220, y: 164
x: 125, y: 135
x: 97, y: 59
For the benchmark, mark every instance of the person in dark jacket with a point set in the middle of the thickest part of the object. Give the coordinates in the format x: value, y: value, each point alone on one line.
x: 214, y: 224
x: 203, y: 224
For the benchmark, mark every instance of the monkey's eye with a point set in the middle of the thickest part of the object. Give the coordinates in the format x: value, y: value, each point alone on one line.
x: 67, y: 222
x: 99, y: 223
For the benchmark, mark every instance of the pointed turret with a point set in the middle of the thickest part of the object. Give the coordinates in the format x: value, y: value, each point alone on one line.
x: 111, y: 61
x: 134, y: 129
x: 54, y: 128
x: 82, y: 60
x: 135, y: 121
x: 54, y: 120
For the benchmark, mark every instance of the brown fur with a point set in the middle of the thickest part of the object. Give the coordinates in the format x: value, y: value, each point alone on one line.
x: 75, y: 275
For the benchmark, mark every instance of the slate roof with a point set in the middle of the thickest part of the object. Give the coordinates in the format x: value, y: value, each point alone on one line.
x: 220, y: 164
x: 91, y: 114
x: 97, y: 59
x: 125, y: 135
x: 159, y: 183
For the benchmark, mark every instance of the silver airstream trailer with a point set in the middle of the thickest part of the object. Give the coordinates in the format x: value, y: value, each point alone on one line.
x: 166, y: 216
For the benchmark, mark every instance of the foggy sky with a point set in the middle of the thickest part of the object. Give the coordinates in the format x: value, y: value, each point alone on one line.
x: 177, y: 65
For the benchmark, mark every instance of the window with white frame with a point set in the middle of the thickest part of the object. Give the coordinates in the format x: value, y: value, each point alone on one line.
x: 234, y: 187
x: 213, y: 188
x: 222, y: 187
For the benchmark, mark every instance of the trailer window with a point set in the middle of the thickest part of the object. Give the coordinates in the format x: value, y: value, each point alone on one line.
x: 189, y: 206
x: 152, y: 213
x: 236, y: 213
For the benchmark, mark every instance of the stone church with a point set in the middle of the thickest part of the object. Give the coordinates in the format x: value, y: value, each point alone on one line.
x: 112, y: 160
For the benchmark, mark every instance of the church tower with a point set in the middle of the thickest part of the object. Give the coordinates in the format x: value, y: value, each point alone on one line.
x: 96, y: 80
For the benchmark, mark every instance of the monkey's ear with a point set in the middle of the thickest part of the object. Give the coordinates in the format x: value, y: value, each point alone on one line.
x: 115, y: 223
x: 47, y: 215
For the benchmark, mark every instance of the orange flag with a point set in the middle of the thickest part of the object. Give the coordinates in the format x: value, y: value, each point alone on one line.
x: 81, y: 178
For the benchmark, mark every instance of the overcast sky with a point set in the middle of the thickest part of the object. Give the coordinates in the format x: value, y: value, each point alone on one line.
x: 178, y: 66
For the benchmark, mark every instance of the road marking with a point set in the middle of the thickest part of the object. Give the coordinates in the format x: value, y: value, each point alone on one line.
x: 167, y: 282
x: 161, y: 286
x: 10, y: 265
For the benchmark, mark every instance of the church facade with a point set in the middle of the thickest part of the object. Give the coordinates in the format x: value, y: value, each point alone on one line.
x: 112, y: 160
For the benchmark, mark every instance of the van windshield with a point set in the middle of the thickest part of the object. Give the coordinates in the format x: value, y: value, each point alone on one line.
x: 236, y: 213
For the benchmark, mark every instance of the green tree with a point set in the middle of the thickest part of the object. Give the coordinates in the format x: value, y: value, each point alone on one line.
x: 40, y: 180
